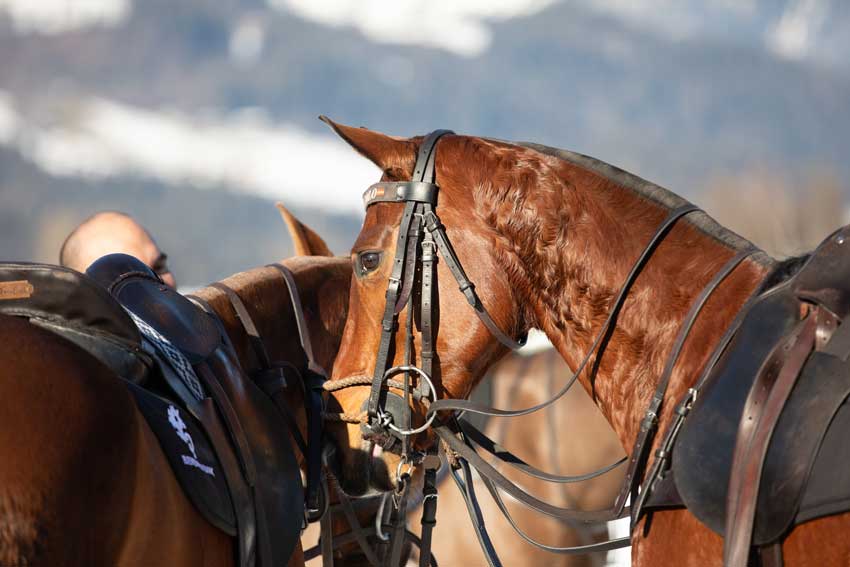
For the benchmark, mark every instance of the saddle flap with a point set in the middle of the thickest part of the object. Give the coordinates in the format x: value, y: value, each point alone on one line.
x: 63, y: 297
x: 702, y: 455
x: 797, y: 483
x: 136, y: 287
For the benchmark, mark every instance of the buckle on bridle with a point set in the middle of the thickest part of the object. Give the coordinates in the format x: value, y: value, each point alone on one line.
x: 386, y: 420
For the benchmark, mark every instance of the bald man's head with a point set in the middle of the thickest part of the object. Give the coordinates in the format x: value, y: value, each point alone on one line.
x: 110, y: 232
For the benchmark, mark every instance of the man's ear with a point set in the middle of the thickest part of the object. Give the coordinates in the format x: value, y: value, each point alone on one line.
x: 305, y: 240
x: 394, y: 156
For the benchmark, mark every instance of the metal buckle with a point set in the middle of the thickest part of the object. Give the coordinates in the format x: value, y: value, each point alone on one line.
x: 385, y: 419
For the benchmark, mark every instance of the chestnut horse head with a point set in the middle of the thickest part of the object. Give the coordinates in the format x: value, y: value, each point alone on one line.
x: 547, y: 239
x: 463, y: 346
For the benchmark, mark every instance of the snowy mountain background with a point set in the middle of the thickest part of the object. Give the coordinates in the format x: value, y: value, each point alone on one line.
x: 195, y: 115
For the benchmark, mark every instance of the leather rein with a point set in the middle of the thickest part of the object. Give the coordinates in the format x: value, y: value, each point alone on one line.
x: 389, y: 417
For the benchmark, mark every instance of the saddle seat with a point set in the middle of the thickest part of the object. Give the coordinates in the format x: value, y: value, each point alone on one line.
x: 804, y: 473
x: 137, y: 288
x: 226, y: 442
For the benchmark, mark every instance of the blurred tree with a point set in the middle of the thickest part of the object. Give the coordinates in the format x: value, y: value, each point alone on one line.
x: 783, y: 216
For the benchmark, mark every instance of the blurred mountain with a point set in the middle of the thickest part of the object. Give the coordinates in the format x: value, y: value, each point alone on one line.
x: 676, y: 92
x: 207, y: 234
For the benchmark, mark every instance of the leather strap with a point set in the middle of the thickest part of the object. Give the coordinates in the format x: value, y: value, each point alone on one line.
x: 244, y: 317
x: 475, y: 435
x: 771, y: 555
x: 399, y: 527
x: 486, y: 470
x: 231, y: 421
x: 475, y: 407
x: 272, y: 379
x: 571, y: 550
x: 429, y: 515
x: 243, y: 501
x: 663, y: 454
x: 764, y: 403
x: 388, y: 322
x: 400, y: 191
x: 311, y: 382
x: 643, y: 442
x: 354, y: 525
x: 300, y: 320
x: 326, y: 540
x: 410, y: 256
x: 467, y: 490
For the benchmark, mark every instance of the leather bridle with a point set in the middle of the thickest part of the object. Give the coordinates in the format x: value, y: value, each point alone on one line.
x: 274, y: 377
x: 421, y: 236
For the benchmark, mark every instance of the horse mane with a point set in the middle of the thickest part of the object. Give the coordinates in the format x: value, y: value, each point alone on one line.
x: 652, y: 192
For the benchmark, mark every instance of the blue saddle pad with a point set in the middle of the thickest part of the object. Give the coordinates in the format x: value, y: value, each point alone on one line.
x: 191, y: 457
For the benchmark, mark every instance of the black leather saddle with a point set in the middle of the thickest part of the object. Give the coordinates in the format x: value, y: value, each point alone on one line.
x: 229, y: 447
x: 76, y: 307
x: 805, y: 473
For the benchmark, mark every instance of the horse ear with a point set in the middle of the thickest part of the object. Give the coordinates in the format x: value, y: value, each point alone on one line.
x: 307, y: 242
x: 389, y: 153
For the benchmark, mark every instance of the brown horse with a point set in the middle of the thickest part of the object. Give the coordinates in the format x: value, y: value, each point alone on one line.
x: 548, y: 239
x: 516, y: 381
x: 83, y: 480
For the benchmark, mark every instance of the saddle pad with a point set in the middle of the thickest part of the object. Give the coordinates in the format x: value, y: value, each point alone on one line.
x: 191, y: 457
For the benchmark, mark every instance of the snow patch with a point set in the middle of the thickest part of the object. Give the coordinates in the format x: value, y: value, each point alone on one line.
x: 52, y: 17
x: 460, y: 27
x: 243, y: 151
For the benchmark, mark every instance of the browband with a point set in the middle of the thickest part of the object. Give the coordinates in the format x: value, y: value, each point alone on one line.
x: 399, y: 192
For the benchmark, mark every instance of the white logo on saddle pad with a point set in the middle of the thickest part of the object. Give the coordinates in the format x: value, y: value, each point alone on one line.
x: 180, y: 427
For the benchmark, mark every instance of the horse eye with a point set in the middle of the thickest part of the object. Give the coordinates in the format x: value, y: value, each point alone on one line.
x: 369, y: 261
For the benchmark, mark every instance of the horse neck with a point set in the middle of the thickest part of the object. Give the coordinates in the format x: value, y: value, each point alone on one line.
x: 323, y: 287
x: 264, y: 294
x: 591, y: 229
